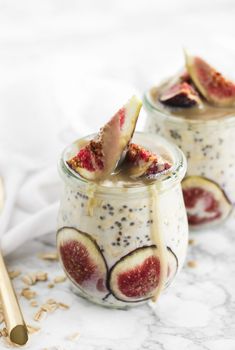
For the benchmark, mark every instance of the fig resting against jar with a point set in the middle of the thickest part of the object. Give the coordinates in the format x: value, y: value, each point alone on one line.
x: 196, y: 110
x: 122, y: 225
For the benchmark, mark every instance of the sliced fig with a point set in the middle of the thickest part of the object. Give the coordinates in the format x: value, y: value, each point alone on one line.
x: 135, y: 276
x: 82, y: 260
x: 205, y: 201
x: 100, y: 156
x: 212, y: 85
x: 181, y: 94
x: 141, y: 162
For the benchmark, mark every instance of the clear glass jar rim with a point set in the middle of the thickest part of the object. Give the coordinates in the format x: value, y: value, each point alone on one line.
x: 230, y: 119
x: 162, y: 182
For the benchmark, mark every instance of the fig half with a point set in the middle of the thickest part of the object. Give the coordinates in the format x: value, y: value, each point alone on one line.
x: 211, y: 84
x: 181, y: 94
x: 99, y: 157
x: 135, y: 276
x: 141, y: 162
x: 82, y: 260
x: 205, y: 201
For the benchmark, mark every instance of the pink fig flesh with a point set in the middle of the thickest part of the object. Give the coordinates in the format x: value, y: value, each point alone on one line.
x: 215, y: 88
x: 205, y: 202
x: 141, y: 280
x: 135, y: 277
x: 182, y: 95
x: 141, y: 162
x: 99, y: 158
x: 82, y: 260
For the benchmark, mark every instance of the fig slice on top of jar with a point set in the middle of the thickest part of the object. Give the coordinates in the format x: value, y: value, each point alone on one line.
x: 196, y: 110
x: 122, y: 225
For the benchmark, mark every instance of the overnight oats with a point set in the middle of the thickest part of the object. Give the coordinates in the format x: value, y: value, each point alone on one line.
x: 196, y: 110
x: 122, y: 226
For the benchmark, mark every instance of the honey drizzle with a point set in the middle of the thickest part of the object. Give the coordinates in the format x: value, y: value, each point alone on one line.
x: 158, y: 239
x: 92, y: 201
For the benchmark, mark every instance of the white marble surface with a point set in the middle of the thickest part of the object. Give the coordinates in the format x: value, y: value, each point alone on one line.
x: 196, y: 313
x: 55, y: 54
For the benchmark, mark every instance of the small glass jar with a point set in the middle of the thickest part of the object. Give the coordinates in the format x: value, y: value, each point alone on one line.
x: 104, y: 232
x: 209, y: 186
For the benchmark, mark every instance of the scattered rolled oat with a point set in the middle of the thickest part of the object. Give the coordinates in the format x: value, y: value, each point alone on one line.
x: 50, y: 301
x: 39, y: 315
x: 29, y: 279
x: 191, y: 241
x: 63, y: 306
x: 192, y: 263
x: 32, y: 329
x: 51, y: 256
x: 60, y: 279
x: 1, y: 317
x: 74, y: 336
x: 34, y: 303
x: 41, y: 276
x: 50, y: 306
x: 51, y: 285
x: 3, y: 332
x: 14, y: 273
x: 28, y: 293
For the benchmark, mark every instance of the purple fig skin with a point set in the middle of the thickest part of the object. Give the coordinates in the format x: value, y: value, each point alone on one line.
x: 215, y: 205
x: 138, y: 283
x: 82, y: 260
x: 215, y: 88
x: 181, y: 95
x: 99, y: 158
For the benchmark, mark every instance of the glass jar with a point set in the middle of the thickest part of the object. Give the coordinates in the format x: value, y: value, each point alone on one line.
x: 208, y: 145
x: 104, y: 237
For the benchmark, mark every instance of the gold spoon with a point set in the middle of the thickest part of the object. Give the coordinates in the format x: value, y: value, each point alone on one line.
x: 14, y: 321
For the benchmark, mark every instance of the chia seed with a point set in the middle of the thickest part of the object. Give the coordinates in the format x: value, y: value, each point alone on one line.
x: 117, y: 223
x: 175, y: 134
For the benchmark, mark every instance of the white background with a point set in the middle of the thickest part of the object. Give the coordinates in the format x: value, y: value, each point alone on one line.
x: 65, y: 66
x: 63, y: 62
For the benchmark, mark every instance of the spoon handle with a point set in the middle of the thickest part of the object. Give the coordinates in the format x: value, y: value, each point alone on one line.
x: 14, y: 321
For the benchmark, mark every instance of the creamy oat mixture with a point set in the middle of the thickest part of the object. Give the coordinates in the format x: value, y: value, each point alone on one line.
x: 124, y: 222
x: 205, y: 135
